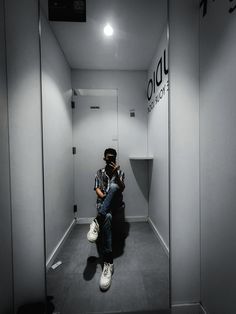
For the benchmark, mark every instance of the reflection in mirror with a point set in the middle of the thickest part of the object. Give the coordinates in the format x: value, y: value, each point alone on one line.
x: 99, y: 92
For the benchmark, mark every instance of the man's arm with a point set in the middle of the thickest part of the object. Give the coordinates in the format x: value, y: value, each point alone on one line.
x: 119, y: 180
x: 99, y: 193
x: 97, y: 186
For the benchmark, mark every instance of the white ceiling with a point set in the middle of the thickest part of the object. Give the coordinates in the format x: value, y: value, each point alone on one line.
x: 137, y: 28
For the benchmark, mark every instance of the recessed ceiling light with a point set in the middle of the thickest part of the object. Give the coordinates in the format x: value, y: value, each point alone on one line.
x: 108, y: 30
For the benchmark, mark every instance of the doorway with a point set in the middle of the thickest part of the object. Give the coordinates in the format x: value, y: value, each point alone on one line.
x: 95, y: 128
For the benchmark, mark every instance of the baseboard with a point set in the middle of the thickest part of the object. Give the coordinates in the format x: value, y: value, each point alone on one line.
x: 136, y: 218
x: 88, y: 220
x: 157, y: 233
x: 188, y: 308
x: 54, y: 253
x: 204, y: 311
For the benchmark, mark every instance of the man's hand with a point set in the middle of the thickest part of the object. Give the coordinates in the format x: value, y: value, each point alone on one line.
x: 114, y: 167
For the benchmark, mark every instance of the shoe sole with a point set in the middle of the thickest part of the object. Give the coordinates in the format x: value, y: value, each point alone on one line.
x: 91, y: 240
x: 105, y: 288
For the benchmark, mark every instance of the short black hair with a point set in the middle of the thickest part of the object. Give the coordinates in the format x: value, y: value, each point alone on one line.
x: 110, y: 151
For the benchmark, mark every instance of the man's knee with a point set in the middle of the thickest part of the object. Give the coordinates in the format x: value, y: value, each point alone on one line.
x: 108, y: 217
x: 114, y: 187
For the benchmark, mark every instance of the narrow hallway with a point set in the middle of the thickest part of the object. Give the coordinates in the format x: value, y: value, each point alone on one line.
x: 158, y: 88
x: 140, y: 280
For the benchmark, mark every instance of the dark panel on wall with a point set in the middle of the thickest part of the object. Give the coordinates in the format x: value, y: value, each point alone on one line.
x: 67, y: 10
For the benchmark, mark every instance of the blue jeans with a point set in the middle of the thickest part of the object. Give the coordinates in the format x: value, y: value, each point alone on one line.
x: 106, y: 233
x: 110, y: 200
x: 105, y: 210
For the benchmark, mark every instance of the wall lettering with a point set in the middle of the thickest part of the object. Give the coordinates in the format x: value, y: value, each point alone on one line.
x: 162, y: 92
x: 231, y: 9
x: 204, y: 5
x: 156, y: 82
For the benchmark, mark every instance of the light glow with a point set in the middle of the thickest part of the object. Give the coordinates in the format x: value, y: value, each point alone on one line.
x: 108, y: 30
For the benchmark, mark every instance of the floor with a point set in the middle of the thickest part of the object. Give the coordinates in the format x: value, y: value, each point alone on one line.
x: 140, y: 281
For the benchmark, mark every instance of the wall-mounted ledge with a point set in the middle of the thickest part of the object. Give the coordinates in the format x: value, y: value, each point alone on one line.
x: 141, y: 157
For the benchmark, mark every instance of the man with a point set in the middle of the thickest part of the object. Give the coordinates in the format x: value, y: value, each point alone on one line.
x: 109, y: 185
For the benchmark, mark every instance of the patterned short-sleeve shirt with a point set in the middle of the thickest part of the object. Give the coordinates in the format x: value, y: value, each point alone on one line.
x: 102, y: 181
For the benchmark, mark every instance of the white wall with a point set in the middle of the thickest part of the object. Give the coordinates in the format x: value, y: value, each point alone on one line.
x: 184, y: 151
x: 57, y: 138
x: 6, y: 288
x: 218, y: 157
x: 158, y: 142
x: 23, y: 69
x: 132, y: 132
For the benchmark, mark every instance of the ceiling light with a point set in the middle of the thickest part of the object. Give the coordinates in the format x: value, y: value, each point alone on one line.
x: 108, y: 30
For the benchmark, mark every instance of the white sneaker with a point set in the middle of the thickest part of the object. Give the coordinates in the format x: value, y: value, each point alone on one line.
x: 105, y: 280
x: 92, y: 235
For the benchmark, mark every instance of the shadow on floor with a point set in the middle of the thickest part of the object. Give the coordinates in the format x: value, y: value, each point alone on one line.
x: 120, y: 231
x: 91, y: 267
x: 149, y: 312
x: 38, y: 308
x: 167, y: 311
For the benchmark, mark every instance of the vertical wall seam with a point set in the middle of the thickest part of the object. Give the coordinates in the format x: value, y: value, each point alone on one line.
x: 146, y: 104
x: 72, y: 144
x: 117, y: 126
x: 42, y: 146
x: 169, y: 154
x: 199, y: 165
x: 147, y: 150
x: 9, y: 154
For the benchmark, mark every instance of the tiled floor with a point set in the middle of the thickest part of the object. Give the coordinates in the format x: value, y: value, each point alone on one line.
x: 140, y: 281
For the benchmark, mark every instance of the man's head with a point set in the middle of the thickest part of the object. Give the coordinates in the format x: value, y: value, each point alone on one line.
x: 110, y: 155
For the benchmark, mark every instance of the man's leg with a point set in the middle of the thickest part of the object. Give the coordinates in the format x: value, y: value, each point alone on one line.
x: 107, y: 239
x: 105, y: 207
x: 109, y: 199
x: 108, y: 268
